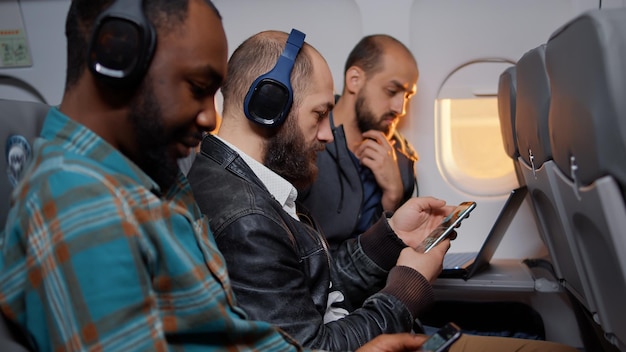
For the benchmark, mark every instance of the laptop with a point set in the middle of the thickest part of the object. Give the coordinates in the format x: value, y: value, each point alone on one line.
x: 466, y: 264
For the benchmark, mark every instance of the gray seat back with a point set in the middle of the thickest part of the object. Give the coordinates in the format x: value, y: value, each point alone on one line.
x: 587, y: 123
x: 533, y: 104
x: 10, y: 338
x: 507, y: 96
x: 586, y: 66
x: 20, y: 123
x: 506, y: 110
x: 537, y: 167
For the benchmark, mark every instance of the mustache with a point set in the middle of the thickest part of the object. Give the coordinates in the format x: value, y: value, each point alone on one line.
x: 317, y: 147
x: 390, y: 115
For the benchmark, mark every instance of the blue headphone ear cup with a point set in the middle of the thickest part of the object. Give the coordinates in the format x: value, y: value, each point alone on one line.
x: 268, y: 102
x: 122, y: 44
x: 270, y: 96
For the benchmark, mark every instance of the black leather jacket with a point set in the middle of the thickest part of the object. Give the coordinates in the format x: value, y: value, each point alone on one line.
x: 336, y: 197
x: 281, y: 270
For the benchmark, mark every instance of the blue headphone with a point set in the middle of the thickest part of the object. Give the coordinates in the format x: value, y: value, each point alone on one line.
x: 122, y: 44
x: 270, y: 96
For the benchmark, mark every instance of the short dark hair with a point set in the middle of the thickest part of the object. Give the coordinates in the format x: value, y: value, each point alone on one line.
x: 367, y: 53
x: 256, y: 56
x: 163, y: 14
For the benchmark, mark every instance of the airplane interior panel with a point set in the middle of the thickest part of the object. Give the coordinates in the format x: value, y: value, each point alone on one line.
x: 508, y: 96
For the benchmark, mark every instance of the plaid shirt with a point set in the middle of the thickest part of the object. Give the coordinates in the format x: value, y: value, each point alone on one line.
x: 94, y: 257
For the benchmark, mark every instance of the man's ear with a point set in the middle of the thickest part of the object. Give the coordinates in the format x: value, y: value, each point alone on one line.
x: 355, y: 79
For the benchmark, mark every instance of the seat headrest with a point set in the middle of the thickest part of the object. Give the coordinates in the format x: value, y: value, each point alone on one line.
x: 20, y: 123
x: 533, y: 106
x: 587, y: 120
x: 506, y: 110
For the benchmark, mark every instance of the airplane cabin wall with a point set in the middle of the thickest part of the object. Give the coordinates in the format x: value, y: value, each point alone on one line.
x: 44, y: 22
x: 446, y: 34
x: 442, y: 34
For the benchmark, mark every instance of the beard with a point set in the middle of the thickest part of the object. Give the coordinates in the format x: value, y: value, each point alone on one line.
x: 288, y: 155
x: 367, y: 121
x: 153, y: 156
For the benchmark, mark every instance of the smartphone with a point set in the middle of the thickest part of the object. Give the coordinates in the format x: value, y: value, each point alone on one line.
x: 446, y: 227
x: 442, y: 339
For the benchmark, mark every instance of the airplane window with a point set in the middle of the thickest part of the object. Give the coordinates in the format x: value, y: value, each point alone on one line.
x: 469, y: 148
x: 444, y: 35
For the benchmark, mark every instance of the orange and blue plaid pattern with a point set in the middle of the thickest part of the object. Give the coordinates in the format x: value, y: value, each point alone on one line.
x: 93, y: 257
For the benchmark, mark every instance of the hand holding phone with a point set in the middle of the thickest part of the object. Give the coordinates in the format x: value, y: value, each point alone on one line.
x: 442, y: 339
x: 446, y: 227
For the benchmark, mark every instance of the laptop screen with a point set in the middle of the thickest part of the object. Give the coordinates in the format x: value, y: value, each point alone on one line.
x: 499, y: 228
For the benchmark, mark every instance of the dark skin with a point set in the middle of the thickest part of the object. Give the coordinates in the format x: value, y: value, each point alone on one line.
x: 185, y: 73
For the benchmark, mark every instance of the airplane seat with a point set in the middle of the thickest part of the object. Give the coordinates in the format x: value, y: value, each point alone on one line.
x: 11, y: 338
x: 506, y: 112
x: 537, y: 167
x: 487, y: 318
x: 587, y: 123
x: 21, y: 122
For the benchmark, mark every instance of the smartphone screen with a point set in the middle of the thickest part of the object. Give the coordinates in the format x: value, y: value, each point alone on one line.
x: 442, y: 339
x: 446, y: 227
